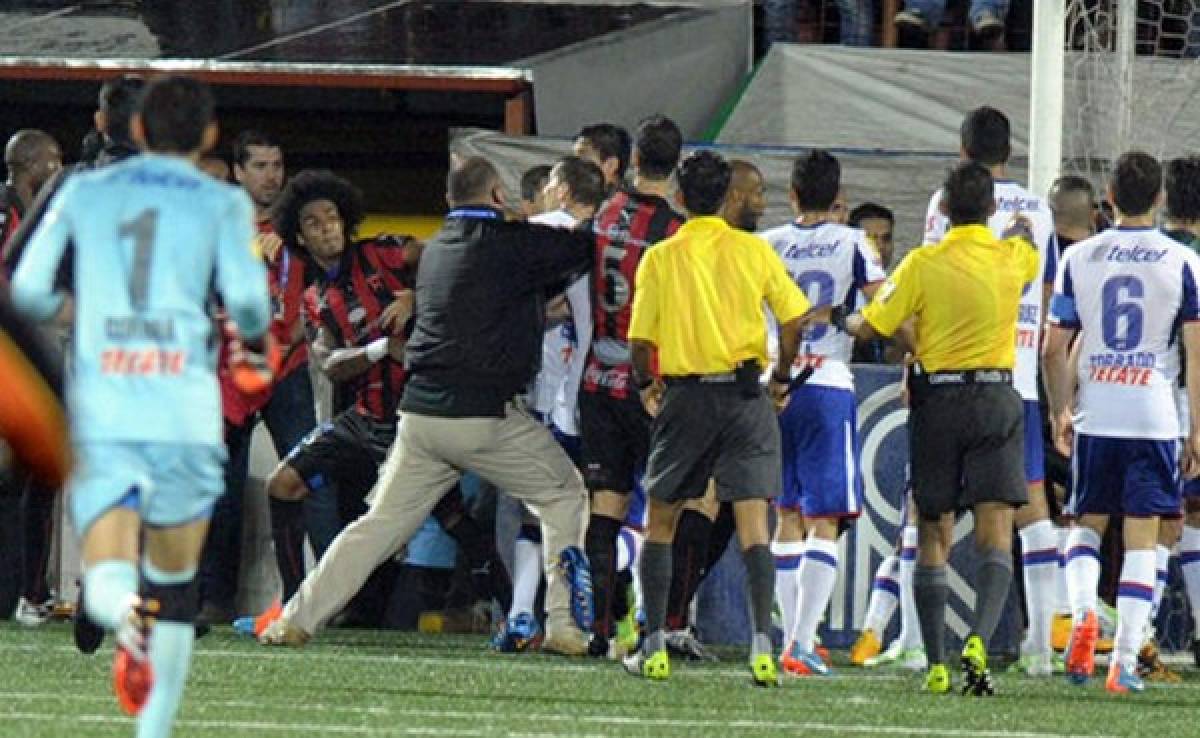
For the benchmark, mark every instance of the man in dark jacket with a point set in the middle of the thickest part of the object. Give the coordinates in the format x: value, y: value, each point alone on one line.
x: 475, y: 346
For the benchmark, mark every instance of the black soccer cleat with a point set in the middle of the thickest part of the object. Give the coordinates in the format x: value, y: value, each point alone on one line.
x: 88, y: 635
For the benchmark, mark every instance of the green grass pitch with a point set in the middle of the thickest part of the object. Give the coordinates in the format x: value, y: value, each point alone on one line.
x: 349, y: 683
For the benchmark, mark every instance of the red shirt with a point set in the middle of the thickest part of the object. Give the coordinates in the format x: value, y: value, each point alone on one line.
x: 285, y: 276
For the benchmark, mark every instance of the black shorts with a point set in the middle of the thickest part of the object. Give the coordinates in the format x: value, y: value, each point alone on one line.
x: 616, y: 441
x: 714, y: 431
x: 346, y: 451
x: 967, y: 445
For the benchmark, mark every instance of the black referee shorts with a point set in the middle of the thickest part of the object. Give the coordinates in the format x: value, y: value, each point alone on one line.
x: 967, y: 445
x: 615, y: 436
x: 346, y: 451
x: 714, y: 431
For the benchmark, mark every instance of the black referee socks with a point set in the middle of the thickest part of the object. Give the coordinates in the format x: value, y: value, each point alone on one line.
x: 930, y: 593
x: 991, y: 590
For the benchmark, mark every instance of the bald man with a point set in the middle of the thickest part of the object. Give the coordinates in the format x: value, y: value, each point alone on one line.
x: 747, y: 198
x: 1073, y: 204
x: 32, y: 157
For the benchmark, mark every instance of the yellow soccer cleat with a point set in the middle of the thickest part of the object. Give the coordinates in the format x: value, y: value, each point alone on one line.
x: 762, y: 668
x: 656, y: 666
x: 866, y: 647
x: 937, y: 681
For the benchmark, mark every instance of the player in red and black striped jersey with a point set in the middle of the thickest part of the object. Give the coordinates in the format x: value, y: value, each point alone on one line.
x: 615, y: 428
x: 358, y: 314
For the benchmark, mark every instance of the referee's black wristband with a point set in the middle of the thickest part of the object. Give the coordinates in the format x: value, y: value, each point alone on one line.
x: 643, y: 382
x: 778, y: 378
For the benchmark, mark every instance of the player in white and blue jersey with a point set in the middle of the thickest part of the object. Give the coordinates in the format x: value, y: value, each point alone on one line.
x: 574, y: 189
x: 154, y: 236
x: 1130, y: 293
x: 986, y: 139
x: 822, y: 485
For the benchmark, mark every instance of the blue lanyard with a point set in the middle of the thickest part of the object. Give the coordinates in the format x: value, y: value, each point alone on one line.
x: 284, y: 263
x: 473, y: 213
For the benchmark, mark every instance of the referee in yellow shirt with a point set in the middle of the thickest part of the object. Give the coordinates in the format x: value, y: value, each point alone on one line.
x: 700, y: 303
x: 966, y: 421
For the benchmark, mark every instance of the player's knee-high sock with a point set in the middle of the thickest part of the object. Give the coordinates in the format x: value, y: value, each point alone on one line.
x: 688, y: 555
x: 170, y: 647
x: 1083, y: 569
x: 1135, y: 595
x: 111, y: 590
x: 629, y: 548
x: 788, y: 557
x: 656, y: 584
x: 910, y: 627
x: 930, y: 594
x: 1039, y: 568
x: 885, y: 595
x: 488, y: 575
x: 1162, y: 559
x: 600, y: 544
x: 760, y: 576
x: 1189, y: 557
x: 287, y: 532
x: 992, y: 584
x: 1062, y: 602
x: 527, y: 569
x: 818, y: 573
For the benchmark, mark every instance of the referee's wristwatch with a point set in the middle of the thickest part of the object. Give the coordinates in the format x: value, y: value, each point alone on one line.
x: 837, y: 317
x: 778, y: 378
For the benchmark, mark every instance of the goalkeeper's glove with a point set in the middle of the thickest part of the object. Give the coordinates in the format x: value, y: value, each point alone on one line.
x: 252, y: 364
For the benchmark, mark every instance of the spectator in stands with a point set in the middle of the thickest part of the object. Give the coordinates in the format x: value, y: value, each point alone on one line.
x: 924, y: 16
x: 856, y: 17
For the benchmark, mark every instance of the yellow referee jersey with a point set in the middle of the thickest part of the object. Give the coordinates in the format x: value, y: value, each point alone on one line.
x: 700, y: 298
x: 964, y: 293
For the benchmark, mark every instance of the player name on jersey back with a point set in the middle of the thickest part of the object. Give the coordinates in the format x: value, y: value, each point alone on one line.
x: 1127, y: 290
x: 831, y: 263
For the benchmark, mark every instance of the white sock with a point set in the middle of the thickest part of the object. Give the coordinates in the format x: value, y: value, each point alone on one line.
x: 1162, y: 557
x: 1135, y: 595
x: 629, y: 545
x: 526, y: 575
x: 885, y: 596
x: 1062, y: 603
x: 1083, y: 569
x: 1039, y: 568
x: 818, y: 574
x: 788, y: 556
x: 110, y: 589
x: 629, y: 551
x: 1189, y: 557
x: 910, y: 625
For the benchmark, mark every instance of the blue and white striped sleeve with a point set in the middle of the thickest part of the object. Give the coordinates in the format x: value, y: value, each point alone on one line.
x: 1189, y: 308
x: 1062, y: 304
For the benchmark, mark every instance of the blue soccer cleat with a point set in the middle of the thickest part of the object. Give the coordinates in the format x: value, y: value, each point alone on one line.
x: 1123, y: 680
x: 577, y: 573
x: 520, y: 633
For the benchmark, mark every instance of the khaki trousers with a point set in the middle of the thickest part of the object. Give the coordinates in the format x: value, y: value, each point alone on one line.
x: 515, y: 453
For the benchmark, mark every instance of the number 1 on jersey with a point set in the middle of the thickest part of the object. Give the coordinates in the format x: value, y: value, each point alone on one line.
x: 142, y: 230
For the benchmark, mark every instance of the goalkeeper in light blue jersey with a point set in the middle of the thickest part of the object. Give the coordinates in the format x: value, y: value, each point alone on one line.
x: 152, y: 239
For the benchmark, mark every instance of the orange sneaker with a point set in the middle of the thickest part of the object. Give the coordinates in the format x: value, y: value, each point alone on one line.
x: 268, y: 616
x: 133, y: 677
x: 823, y: 653
x: 1081, y: 651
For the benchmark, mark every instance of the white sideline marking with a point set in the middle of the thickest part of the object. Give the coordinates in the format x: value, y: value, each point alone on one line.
x: 497, y: 661
x: 475, y: 716
x: 249, y: 725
